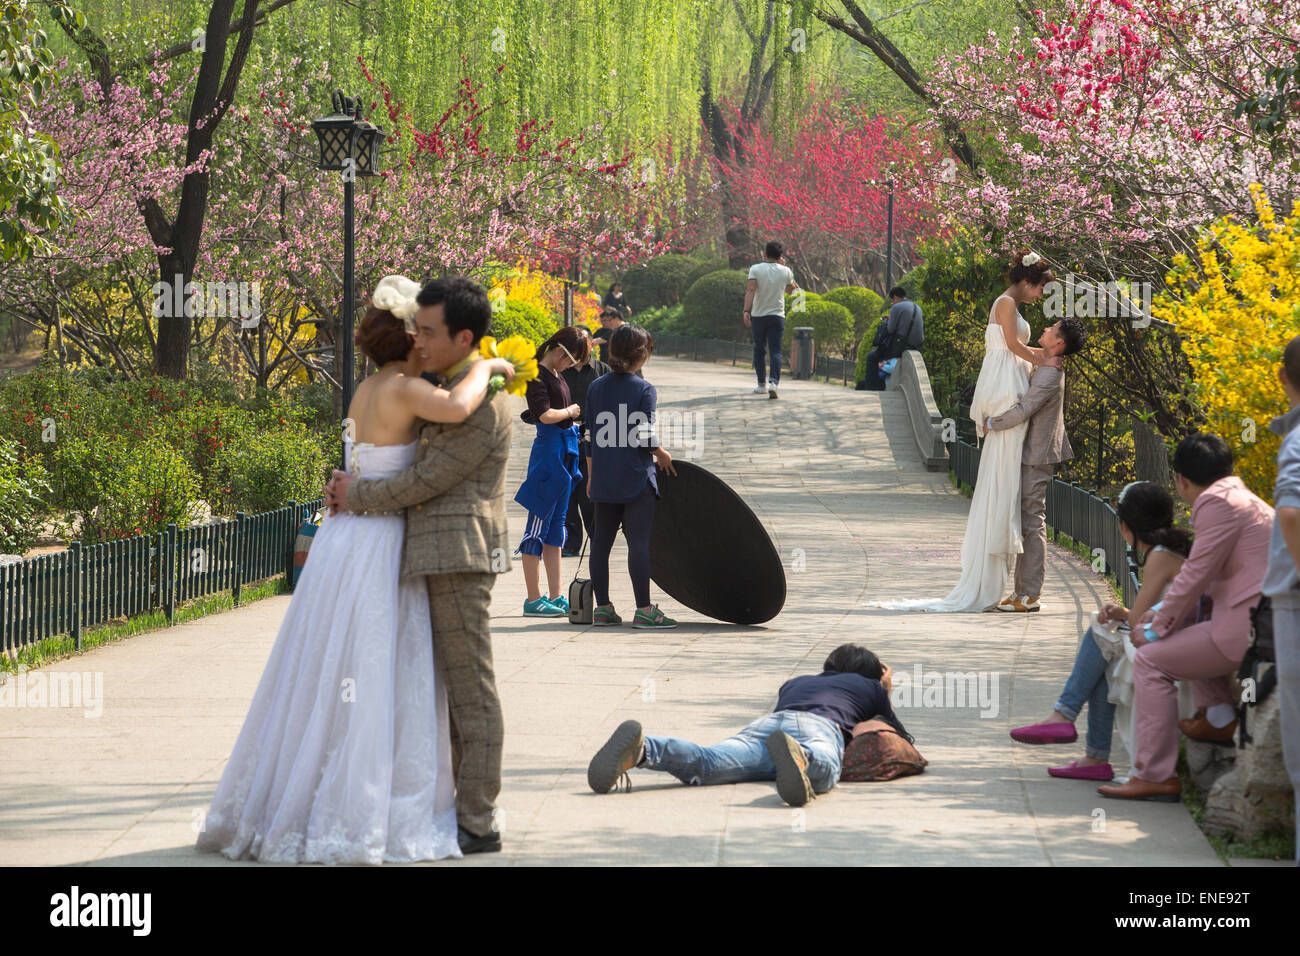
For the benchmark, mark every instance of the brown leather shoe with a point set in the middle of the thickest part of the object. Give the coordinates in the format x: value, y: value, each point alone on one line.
x: 1138, y: 789
x: 1198, y: 728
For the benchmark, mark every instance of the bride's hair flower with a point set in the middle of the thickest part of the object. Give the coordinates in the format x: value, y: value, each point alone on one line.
x: 520, y: 353
x: 1030, y: 258
x: 396, y: 294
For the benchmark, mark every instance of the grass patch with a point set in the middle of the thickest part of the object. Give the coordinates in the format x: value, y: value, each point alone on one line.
x: 53, y: 649
x: 1273, y: 845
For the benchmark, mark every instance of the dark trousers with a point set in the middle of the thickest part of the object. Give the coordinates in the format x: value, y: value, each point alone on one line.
x: 636, y: 517
x: 582, y: 513
x: 768, y: 330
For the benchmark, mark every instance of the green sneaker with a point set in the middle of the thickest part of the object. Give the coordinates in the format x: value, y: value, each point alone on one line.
x: 652, y: 618
x: 604, y: 616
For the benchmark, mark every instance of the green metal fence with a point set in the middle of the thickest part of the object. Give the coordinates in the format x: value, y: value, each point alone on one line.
x: 88, y: 585
x: 1072, y: 511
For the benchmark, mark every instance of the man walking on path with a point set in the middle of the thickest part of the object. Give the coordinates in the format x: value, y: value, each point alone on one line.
x: 456, y: 536
x: 769, y: 283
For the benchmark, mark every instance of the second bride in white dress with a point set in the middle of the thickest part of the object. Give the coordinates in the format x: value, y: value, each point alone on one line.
x: 992, y: 540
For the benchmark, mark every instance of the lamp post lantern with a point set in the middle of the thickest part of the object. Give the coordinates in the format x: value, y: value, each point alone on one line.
x: 350, y: 145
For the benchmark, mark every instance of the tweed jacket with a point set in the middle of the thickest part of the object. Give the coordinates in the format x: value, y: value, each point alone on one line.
x: 1045, y: 439
x: 454, y: 494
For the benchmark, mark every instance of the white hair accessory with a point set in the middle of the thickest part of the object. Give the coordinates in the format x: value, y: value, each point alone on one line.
x: 1030, y: 258
x: 397, y: 295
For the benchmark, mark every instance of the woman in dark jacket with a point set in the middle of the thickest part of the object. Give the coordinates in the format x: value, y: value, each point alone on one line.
x: 622, y: 484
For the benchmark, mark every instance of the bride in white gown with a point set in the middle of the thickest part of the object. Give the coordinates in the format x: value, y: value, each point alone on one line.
x: 992, y: 539
x: 345, y: 755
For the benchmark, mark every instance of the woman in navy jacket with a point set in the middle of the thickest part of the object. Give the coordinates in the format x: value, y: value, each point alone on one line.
x: 621, y: 479
x: 552, y: 469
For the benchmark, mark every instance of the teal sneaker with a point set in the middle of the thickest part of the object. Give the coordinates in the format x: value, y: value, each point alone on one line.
x: 542, y: 608
x: 561, y: 602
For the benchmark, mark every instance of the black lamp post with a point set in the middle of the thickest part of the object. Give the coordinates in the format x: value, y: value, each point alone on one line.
x: 350, y: 145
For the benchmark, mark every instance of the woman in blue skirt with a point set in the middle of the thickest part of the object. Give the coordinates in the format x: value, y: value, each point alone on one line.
x: 552, y: 469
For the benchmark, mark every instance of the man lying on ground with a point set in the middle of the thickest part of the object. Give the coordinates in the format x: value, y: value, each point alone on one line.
x: 800, y: 744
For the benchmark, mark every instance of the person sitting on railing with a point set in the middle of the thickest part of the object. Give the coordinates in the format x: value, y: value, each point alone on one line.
x: 1227, y: 561
x: 1146, y: 521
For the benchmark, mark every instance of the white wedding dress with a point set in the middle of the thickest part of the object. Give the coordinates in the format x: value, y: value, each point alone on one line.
x: 992, y: 540
x: 345, y: 755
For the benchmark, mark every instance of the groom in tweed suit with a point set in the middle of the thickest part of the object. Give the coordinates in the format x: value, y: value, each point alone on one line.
x: 456, y: 536
x: 1046, y: 446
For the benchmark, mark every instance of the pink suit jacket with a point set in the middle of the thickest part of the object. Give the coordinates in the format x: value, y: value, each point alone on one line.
x: 1228, y: 560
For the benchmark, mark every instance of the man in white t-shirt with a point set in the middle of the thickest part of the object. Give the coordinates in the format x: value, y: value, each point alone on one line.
x: 769, y: 283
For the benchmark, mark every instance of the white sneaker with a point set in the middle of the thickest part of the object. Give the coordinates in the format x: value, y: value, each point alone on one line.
x: 771, y: 389
x: 760, y: 389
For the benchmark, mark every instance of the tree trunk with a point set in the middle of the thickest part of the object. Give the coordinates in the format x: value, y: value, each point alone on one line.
x: 1151, y: 456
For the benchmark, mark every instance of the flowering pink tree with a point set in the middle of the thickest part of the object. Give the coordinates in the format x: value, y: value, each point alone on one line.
x: 444, y: 202
x: 1111, y: 132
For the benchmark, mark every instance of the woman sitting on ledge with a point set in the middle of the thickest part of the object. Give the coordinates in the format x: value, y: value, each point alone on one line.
x: 1146, y: 518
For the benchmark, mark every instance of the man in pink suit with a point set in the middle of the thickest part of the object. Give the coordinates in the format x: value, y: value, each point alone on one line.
x: 1228, y: 560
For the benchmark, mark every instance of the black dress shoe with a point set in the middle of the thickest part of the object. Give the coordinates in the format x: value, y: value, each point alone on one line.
x: 469, y: 843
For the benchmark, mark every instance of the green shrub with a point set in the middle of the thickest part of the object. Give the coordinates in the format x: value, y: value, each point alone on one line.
x: 264, y: 470
x: 864, y: 349
x: 713, y: 305
x: 704, y: 268
x: 668, y: 320
x: 832, y: 326
x: 519, y: 317
x: 865, y: 305
x: 660, y: 282
x: 24, y: 493
x: 796, y: 315
x: 121, y: 486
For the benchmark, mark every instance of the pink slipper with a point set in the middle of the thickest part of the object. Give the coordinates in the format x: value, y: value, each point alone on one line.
x: 1072, y: 771
x: 1046, y: 734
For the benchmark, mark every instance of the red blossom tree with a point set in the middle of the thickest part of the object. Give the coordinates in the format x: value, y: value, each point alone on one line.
x: 822, y: 194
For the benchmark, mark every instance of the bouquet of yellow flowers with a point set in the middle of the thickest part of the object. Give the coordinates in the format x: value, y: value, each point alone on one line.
x: 520, y: 353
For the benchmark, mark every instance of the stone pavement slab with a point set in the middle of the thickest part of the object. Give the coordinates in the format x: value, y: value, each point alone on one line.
x: 854, y: 515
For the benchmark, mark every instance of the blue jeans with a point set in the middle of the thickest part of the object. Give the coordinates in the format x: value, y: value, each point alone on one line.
x: 745, y: 757
x: 1087, y: 684
x: 768, y: 330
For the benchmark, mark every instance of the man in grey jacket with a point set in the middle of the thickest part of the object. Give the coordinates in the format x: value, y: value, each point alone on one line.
x: 1046, y: 446
x: 1282, y: 580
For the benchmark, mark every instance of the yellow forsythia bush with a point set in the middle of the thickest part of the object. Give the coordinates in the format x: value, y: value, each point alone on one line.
x: 1235, y: 309
x: 547, y: 292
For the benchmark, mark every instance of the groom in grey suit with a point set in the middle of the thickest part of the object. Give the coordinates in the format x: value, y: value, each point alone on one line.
x: 1046, y: 446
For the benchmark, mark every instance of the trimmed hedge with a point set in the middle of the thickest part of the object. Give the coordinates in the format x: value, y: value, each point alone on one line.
x: 713, y: 305
x: 705, y: 267
x: 865, y: 305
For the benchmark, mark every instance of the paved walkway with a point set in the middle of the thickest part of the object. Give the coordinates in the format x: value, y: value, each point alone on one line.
x: 853, y: 514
